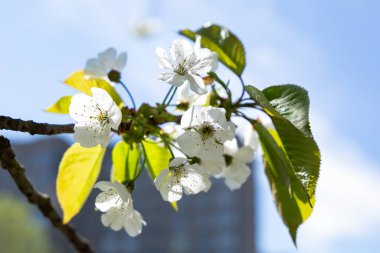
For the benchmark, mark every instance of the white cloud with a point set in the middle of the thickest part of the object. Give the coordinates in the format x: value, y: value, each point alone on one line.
x: 346, y: 212
x: 347, y: 207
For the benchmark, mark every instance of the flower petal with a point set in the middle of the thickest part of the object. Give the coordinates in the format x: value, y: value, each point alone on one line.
x: 113, y: 219
x: 192, y: 182
x: 189, y: 143
x: 213, y: 165
x: 231, y: 147
x: 103, y: 136
x: 106, y: 200
x: 228, y: 133
x: 251, y: 138
x: 120, y: 62
x: 172, y: 78
x: 163, y: 60
x: 196, y: 84
x: 90, y: 134
x: 102, y: 98
x: 197, y: 45
x: 185, y: 95
x: 171, y: 190
x: 236, y: 175
x: 192, y: 117
x: 107, y: 58
x: 177, y: 80
x: 86, y: 134
x: 217, y: 115
x: 207, y: 181
x: 207, y: 61
x: 133, y: 225
x: 94, y: 68
x: 104, y: 185
x: 244, y: 155
x: 166, y: 77
x: 114, y: 116
x: 180, y: 50
x: 177, y: 162
x: 209, y: 148
x: 82, y: 107
x: 160, y: 178
x: 122, y: 191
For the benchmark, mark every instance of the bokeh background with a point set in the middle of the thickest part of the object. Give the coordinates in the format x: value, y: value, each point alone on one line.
x: 329, y: 47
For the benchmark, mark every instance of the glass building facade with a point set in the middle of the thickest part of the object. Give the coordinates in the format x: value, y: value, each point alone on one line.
x: 218, y: 221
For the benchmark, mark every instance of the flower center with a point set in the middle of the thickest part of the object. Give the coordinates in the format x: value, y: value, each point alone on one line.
x: 178, y: 172
x: 181, y: 70
x: 206, y: 131
x: 103, y: 118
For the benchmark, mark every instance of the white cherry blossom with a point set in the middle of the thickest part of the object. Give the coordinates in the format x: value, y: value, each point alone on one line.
x: 147, y: 27
x: 251, y: 138
x: 94, y: 116
x: 117, y: 206
x: 208, y: 182
x: 134, y: 224
x: 186, y: 65
x: 206, y: 130
x: 237, y: 171
x: 180, y: 176
x: 107, y: 65
x: 185, y: 95
x: 213, y: 165
x: 174, y: 130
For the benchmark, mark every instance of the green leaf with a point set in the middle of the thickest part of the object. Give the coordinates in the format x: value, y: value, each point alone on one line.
x: 292, y: 102
x: 78, y: 81
x: 292, y: 157
x: 61, y: 106
x: 288, y: 106
x: 291, y: 198
x: 126, y: 162
x: 77, y: 174
x: 222, y: 41
x: 156, y: 157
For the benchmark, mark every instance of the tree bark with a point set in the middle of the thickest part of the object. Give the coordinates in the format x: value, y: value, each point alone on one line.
x: 29, y: 126
x: 9, y: 163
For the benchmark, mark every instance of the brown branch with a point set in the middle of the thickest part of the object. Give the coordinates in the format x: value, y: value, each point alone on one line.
x: 8, y: 162
x: 29, y: 126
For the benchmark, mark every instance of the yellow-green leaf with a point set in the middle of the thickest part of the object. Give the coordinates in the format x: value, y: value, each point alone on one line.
x: 78, y: 81
x: 290, y: 196
x: 126, y: 162
x: 61, y: 106
x: 156, y: 157
x: 78, y: 172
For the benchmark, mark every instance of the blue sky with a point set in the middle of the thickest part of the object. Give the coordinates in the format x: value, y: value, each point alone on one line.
x: 329, y: 47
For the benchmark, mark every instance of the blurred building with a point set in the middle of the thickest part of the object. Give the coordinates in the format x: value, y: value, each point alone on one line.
x: 219, y: 221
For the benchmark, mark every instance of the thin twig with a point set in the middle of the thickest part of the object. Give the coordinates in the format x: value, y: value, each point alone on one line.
x: 29, y: 126
x: 167, y: 95
x: 8, y: 162
x: 129, y: 94
x: 243, y: 89
x: 171, y: 97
